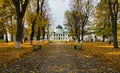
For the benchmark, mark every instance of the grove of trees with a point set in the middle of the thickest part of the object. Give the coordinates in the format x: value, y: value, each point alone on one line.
x: 105, y: 15
x: 24, y: 17
x: 32, y: 17
x: 78, y: 17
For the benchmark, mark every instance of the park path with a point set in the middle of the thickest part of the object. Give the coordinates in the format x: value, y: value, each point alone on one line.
x: 58, y: 58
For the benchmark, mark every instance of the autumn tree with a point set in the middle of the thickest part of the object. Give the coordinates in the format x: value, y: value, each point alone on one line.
x: 3, y: 19
x: 81, y: 12
x: 7, y: 18
x: 76, y: 19
x: 113, y: 6
x: 11, y: 20
x: 42, y: 19
x: 39, y: 12
x: 37, y: 18
x: 46, y: 17
x: 20, y: 7
x: 86, y: 9
x: 69, y: 23
x: 36, y: 12
x: 102, y: 19
x: 32, y: 16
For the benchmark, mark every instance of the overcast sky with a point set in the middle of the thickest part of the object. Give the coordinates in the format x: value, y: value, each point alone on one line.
x: 58, y: 8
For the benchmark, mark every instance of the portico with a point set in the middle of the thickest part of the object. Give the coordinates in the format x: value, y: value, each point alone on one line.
x: 59, y: 34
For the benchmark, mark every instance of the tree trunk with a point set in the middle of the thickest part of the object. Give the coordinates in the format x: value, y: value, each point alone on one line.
x: 73, y: 38
x: 113, y: 6
x: 82, y: 33
x: 32, y: 32
x: 103, y: 40
x: 48, y: 32
x: 6, y: 38
x: 43, y: 29
x: 76, y: 32
x: 20, y: 8
x: 33, y: 25
x: 2, y: 36
x: 18, y: 32
x: 38, y: 7
x: 12, y: 37
x: 114, y: 31
x: 22, y: 35
x: 38, y: 34
x: 79, y: 38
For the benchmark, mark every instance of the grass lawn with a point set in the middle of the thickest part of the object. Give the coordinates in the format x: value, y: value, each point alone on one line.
x: 9, y: 54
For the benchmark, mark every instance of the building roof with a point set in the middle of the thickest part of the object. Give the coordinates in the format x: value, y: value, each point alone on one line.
x: 59, y: 30
x: 92, y: 31
x: 59, y: 27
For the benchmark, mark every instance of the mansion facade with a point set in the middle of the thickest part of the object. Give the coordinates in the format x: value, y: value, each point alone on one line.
x: 59, y: 34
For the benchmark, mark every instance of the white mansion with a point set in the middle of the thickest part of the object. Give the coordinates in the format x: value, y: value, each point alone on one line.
x: 59, y: 34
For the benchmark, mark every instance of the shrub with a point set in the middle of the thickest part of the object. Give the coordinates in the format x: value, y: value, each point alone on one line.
x: 78, y: 46
x: 36, y: 47
x: 75, y: 47
x: 50, y: 41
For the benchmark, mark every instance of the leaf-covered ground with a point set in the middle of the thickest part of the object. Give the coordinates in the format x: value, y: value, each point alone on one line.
x: 9, y: 54
x: 103, y: 52
x: 63, y: 58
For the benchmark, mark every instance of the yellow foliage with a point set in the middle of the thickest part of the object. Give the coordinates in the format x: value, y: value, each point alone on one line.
x: 103, y: 52
x: 8, y: 53
x: 38, y: 21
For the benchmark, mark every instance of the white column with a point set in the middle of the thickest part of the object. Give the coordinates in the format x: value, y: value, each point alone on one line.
x: 53, y: 36
x: 60, y: 36
x: 57, y: 36
x: 66, y: 36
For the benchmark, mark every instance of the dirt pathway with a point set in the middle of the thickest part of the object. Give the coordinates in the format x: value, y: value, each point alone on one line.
x: 58, y: 58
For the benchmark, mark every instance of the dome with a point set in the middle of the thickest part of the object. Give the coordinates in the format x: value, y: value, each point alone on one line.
x: 59, y: 27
